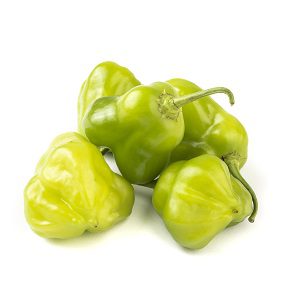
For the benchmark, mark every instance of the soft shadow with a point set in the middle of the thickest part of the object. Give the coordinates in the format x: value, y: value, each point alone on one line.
x: 142, y: 211
x: 87, y: 238
x: 223, y: 239
x: 143, y: 202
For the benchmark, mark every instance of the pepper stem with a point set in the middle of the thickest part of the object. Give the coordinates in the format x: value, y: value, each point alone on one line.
x: 183, y: 100
x: 233, y: 166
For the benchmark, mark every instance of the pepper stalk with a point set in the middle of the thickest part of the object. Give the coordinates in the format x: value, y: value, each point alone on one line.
x: 233, y: 165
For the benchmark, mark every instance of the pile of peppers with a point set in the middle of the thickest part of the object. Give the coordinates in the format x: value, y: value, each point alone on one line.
x: 170, y: 136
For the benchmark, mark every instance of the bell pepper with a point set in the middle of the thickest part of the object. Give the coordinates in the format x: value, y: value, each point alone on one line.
x: 209, y: 129
x: 198, y: 198
x: 107, y: 79
x: 141, y: 127
x: 74, y: 190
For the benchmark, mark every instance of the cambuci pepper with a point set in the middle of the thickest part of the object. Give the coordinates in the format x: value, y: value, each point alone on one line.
x: 141, y: 127
x: 199, y: 198
x: 74, y: 190
x: 147, y: 128
x: 209, y: 129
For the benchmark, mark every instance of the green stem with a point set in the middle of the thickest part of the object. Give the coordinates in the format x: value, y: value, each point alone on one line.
x: 183, y: 100
x: 233, y: 166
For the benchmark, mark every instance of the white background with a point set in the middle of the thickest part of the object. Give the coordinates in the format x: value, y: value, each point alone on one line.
x: 49, y: 47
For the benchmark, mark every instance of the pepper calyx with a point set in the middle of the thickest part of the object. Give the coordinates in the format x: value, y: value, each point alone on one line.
x: 167, y: 107
x: 233, y: 158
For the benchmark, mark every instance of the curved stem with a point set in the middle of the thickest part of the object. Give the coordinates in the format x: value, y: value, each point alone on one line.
x: 183, y: 100
x: 235, y: 172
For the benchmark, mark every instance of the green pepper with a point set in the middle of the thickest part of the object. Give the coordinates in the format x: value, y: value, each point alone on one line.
x: 198, y: 198
x: 209, y: 129
x: 141, y: 127
x: 74, y: 190
x: 107, y: 79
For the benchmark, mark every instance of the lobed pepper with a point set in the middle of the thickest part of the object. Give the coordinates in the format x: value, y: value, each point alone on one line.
x: 74, y: 190
x: 209, y: 129
x: 141, y: 127
x: 199, y: 198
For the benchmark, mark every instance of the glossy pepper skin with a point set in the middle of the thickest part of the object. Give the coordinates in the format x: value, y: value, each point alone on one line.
x: 106, y: 79
x: 209, y: 129
x: 199, y: 198
x: 141, y: 127
x: 74, y: 190
x: 138, y: 128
